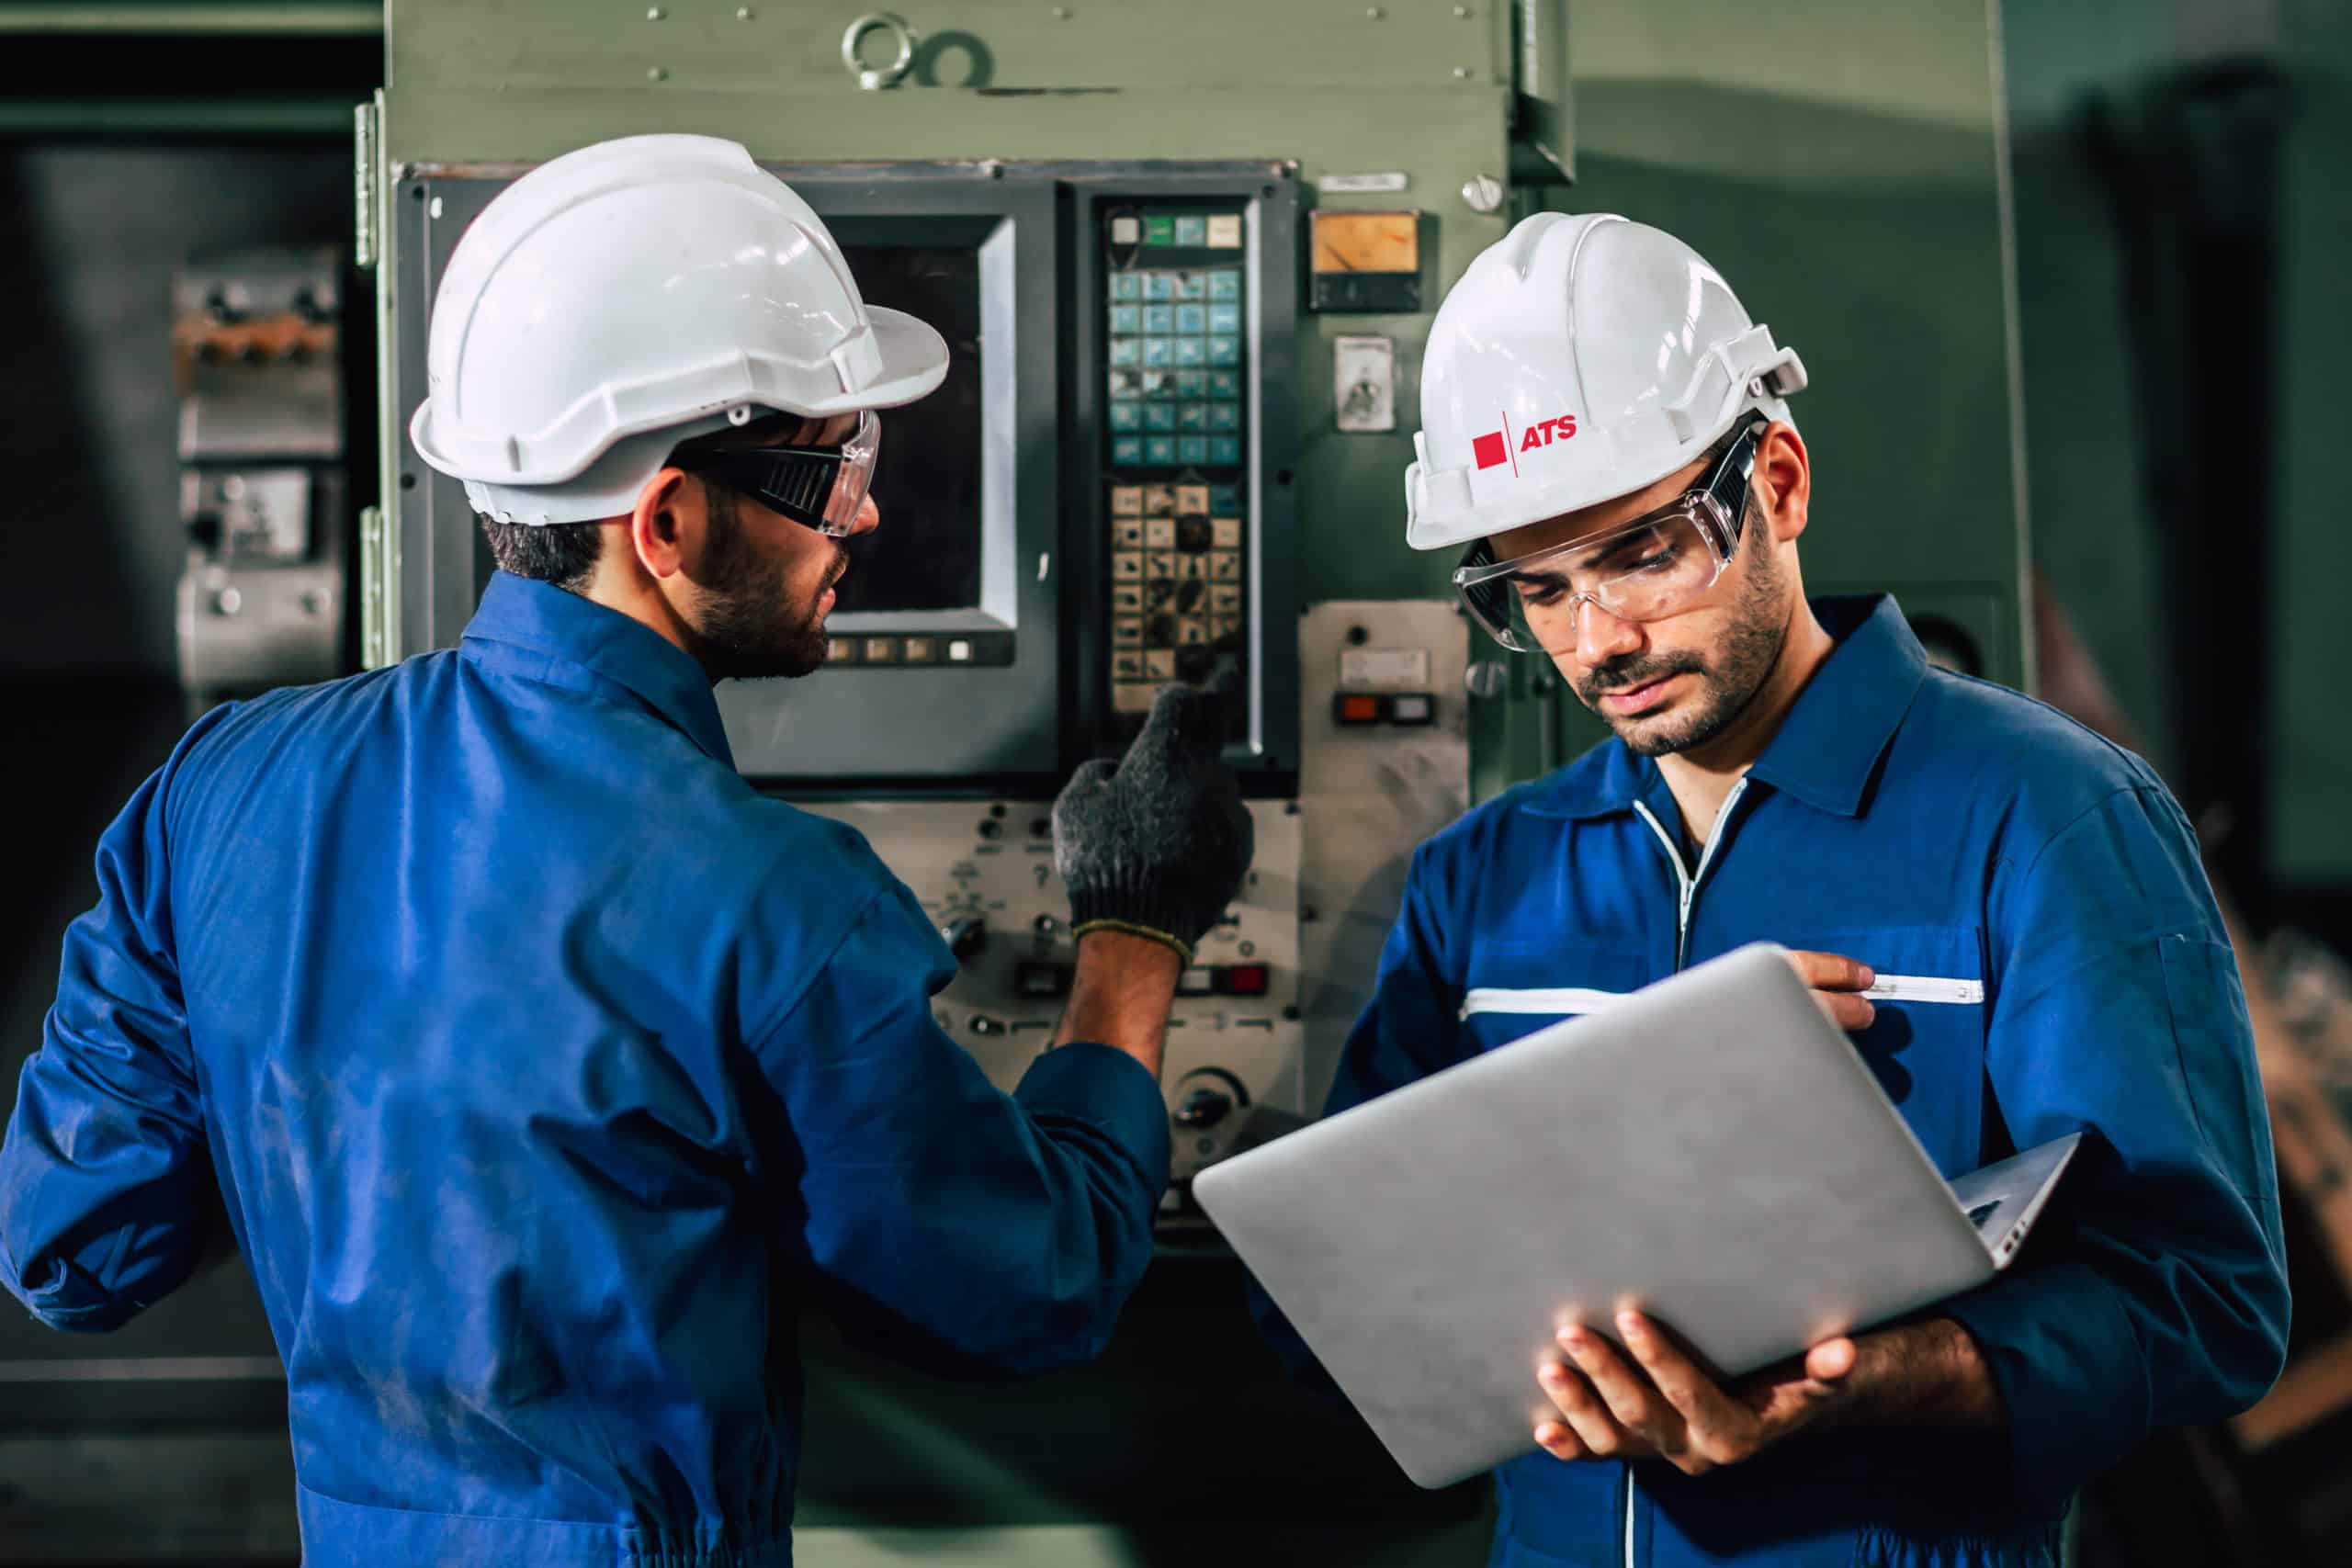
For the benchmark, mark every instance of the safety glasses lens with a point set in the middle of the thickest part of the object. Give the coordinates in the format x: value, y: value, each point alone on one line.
x: 854, y: 475
x: 1658, y: 567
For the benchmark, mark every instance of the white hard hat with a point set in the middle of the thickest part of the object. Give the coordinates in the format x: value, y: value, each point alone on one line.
x: 1578, y: 359
x: 623, y: 298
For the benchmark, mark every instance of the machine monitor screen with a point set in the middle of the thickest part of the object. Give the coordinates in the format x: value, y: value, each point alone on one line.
x: 926, y: 554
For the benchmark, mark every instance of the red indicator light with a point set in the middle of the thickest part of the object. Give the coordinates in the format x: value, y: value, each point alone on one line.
x: 1246, y: 980
x: 1357, y: 708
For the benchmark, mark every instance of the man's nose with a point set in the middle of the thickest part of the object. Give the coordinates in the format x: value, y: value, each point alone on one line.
x: 868, y: 518
x: 1602, y: 636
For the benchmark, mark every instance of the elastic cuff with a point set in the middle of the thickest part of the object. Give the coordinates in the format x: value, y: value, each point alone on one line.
x: 1183, y: 949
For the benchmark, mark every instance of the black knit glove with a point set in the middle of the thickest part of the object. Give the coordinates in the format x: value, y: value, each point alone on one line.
x: 1158, y: 843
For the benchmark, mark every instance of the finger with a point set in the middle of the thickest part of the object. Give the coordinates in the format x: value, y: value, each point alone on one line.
x: 1851, y: 1013
x: 1706, y: 1410
x: 1559, y: 1442
x: 1185, y: 715
x: 1833, y: 972
x: 1626, y: 1393
x: 1588, y: 1420
x: 1832, y: 1360
x: 1090, y: 776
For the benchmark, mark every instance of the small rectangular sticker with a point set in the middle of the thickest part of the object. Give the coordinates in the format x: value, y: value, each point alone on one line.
x: 1927, y: 988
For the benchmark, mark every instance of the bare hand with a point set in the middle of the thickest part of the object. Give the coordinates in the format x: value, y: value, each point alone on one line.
x: 1659, y: 1405
x: 1834, y: 981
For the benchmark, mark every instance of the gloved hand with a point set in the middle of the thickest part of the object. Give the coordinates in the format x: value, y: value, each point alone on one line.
x: 1156, y: 844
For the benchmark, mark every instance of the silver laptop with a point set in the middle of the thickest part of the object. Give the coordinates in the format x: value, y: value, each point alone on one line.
x: 1711, y: 1150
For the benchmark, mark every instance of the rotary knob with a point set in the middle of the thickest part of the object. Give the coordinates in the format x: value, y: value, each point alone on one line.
x: 965, y: 935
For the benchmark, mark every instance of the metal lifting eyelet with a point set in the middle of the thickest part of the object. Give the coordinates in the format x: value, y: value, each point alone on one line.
x: 871, y: 77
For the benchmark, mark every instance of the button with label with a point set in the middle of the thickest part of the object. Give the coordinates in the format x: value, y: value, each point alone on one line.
x: 1160, y: 564
x: 1127, y: 599
x: 1225, y: 566
x: 1128, y: 450
x: 1191, y: 569
x: 1157, y: 287
x: 1223, y: 450
x: 1222, y: 350
x: 1160, y: 228
x: 1222, y: 416
x: 1135, y: 698
x: 1127, y: 632
x: 1126, y: 501
x: 1186, y: 351
x: 1225, y: 630
x: 1127, y: 351
x: 1127, y: 533
x: 1126, y: 318
x: 1129, y: 416
x: 1244, y: 980
x: 1196, y: 982
x: 1159, y: 320
x: 1158, y: 383
x: 1192, y: 230
x: 1194, y: 319
x: 1192, y: 285
x: 1159, y: 663
x: 1194, y: 416
x: 841, y: 650
x: 1227, y: 532
x: 1191, y: 449
x: 1126, y: 665
x: 1160, y: 534
x: 1411, y: 708
x: 1127, y: 284
x: 1126, y: 382
x: 1224, y: 385
x: 1223, y: 232
x: 1159, y: 501
x: 1160, y: 351
x: 1191, y: 632
x: 1160, y: 450
x: 960, y: 650
x: 880, y: 650
x: 1158, y: 416
x: 1192, y: 498
x: 922, y: 650
x: 1128, y: 565
x: 1219, y: 318
x: 1225, y: 598
x: 1191, y: 384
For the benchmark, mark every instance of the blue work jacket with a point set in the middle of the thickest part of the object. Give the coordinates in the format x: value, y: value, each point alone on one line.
x: 546, y: 1069
x: 1932, y: 825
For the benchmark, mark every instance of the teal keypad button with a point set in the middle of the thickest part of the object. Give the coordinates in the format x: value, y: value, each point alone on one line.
x: 1126, y: 416
x: 1158, y: 285
x: 1192, y: 383
x: 1192, y: 231
x: 1222, y: 350
x: 1189, y: 351
x: 1127, y: 351
x: 1194, y: 319
x: 1160, y: 416
x: 1158, y: 383
x: 1126, y: 286
x: 1224, y: 286
x: 1225, y: 318
x: 1224, y: 384
x: 1192, y: 417
x: 1160, y: 449
x: 1127, y: 449
x: 1224, y: 450
x: 1157, y: 351
x: 1126, y: 382
x: 1126, y: 318
x: 1191, y: 449
x: 1192, y: 285
x: 1160, y: 228
x: 1160, y: 318
x: 1223, y: 416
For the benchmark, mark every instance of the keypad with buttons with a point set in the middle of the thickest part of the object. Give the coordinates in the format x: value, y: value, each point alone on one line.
x: 1177, y: 361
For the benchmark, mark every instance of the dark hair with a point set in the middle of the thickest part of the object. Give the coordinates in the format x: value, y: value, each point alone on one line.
x: 565, y: 554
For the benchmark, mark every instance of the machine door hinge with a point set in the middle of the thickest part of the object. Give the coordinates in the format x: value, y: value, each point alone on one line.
x: 379, y: 587
x: 367, y: 209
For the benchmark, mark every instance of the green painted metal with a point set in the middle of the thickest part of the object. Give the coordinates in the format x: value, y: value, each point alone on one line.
x: 170, y: 19
x: 271, y: 119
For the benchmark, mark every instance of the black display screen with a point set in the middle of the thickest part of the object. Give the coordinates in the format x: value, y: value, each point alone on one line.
x: 926, y: 554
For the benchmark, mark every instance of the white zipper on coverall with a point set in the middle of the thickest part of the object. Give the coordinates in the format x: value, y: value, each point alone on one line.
x: 1688, y: 883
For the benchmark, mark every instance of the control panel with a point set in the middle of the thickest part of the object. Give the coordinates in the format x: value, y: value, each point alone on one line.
x: 984, y: 871
x: 1176, y: 422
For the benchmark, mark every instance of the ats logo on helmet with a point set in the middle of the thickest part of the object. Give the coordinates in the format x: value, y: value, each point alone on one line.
x: 1493, y: 449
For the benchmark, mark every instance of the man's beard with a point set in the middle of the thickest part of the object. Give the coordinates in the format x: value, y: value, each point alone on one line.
x: 1726, y: 685
x: 749, y: 626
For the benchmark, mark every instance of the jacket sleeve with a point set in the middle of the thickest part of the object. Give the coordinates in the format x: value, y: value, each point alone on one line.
x: 1410, y: 1029
x: 107, y: 1199
x: 956, y: 1227
x: 2119, y: 1011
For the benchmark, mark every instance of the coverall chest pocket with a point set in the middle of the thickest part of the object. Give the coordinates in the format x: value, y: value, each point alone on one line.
x: 1514, y: 991
x: 1927, y: 1045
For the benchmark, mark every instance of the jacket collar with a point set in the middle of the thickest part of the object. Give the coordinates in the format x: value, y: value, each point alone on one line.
x: 1826, y: 747
x: 543, y: 631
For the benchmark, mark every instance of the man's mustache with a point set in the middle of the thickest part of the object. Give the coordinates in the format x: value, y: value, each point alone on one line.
x: 1623, y: 675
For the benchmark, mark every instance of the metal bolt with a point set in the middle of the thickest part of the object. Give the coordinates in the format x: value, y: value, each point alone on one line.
x: 1374, y: 12
x: 1461, y: 10
x: 654, y: 13
x: 1461, y: 73
x: 655, y: 73
x: 228, y: 602
x: 1061, y: 13
x: 742, y: 13
x: 1483, y: 193
x: 1486, y: 680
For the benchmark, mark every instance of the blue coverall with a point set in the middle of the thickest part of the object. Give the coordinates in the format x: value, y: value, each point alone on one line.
x: 1930, y: 826
x: 546, y: 1069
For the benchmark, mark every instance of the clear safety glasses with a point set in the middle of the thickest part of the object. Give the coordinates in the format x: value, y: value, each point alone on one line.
x: 1657, y: 565
x: 820, y: 487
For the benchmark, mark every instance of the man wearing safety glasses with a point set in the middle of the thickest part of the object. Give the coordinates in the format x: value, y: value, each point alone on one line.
x: 546, y: 1069
x: 2006, y: 912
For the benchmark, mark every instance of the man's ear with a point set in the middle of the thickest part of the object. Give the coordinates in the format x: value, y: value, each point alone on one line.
x: 1781, y: 486
x: 667, y: 529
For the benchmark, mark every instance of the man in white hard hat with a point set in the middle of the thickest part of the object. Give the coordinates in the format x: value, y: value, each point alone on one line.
x: 546, y: 1068
x: 1606, y: 441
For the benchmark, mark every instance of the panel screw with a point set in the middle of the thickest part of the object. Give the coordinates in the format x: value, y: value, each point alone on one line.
x: 1483, y: 193
x: 1061, y: 13
x: 654, y: 13
x: 1461, y: 10
x: 1374, y: 12
x: 742, y: 13
x: 655, y: 73
x: 1461, y: 73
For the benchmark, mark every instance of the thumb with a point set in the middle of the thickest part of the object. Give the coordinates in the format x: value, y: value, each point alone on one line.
x: 1831, y: 1360
x: 1184, y: 717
